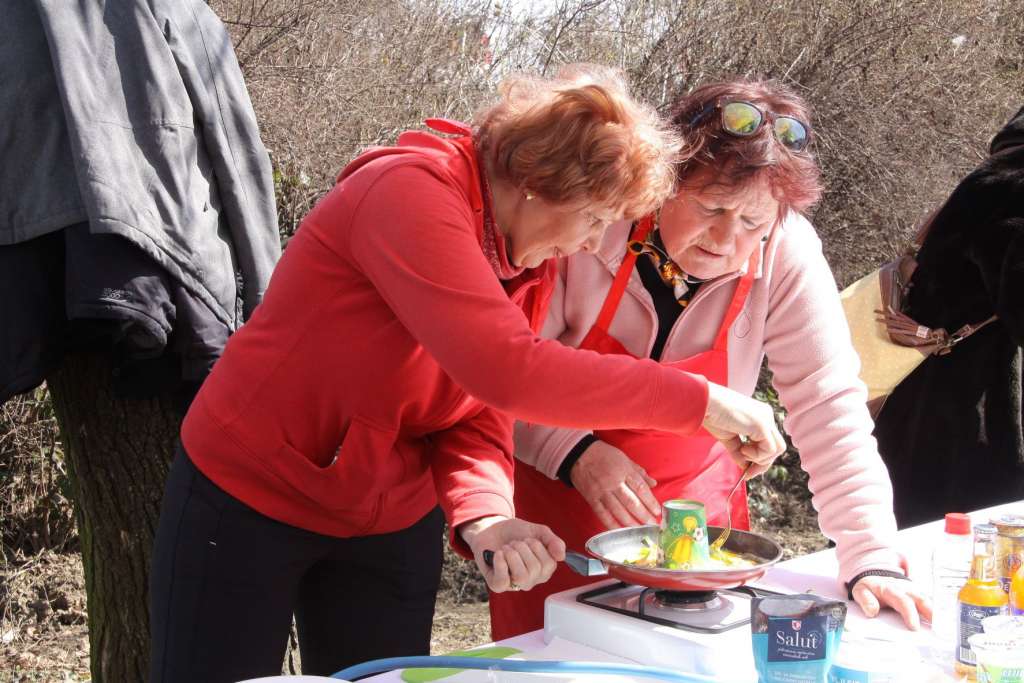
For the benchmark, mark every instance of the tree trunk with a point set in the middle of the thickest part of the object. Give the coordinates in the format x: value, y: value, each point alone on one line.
x: 118, y: 453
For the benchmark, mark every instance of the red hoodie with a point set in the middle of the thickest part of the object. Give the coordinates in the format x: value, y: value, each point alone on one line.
x: 380, y: 373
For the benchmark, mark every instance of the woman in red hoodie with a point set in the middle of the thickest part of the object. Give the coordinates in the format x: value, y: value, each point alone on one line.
x: 379, y: 377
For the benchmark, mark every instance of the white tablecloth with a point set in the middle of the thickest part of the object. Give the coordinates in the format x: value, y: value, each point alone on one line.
x: 815, y: 572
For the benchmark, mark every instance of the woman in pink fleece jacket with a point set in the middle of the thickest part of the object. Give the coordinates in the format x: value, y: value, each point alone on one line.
x: 728, y: 271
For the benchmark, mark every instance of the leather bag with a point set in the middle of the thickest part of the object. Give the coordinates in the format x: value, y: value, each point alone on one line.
x: 889, y: 342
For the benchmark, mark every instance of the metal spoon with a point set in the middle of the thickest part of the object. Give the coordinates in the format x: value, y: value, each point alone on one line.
x: 717, y: 544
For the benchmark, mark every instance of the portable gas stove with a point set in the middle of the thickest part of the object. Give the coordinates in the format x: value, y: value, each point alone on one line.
x: 700, y: 632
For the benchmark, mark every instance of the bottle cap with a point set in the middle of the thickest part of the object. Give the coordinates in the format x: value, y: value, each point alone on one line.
x: 958, y: 523
x: 986, y: 530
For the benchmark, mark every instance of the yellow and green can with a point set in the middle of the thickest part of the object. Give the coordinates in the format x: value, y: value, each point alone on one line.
x: 684, y: 534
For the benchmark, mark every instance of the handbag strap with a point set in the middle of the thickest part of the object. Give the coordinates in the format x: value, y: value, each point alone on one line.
x: 905, y: 331
x: 963, y: 333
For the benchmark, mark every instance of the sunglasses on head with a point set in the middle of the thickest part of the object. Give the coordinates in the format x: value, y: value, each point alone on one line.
x: 743, y: 119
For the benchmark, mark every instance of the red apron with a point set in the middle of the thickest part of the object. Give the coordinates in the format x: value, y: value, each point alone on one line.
x: 695, y: 467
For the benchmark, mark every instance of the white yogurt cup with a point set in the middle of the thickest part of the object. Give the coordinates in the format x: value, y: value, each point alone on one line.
x: 1000, y: 657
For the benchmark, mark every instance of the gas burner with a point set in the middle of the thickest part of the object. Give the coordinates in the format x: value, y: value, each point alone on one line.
x: 695, y: 611
x: 634, y: 622
x: 687, y: 600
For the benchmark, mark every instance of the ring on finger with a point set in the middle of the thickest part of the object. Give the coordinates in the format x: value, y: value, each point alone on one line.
x: 514, y: 586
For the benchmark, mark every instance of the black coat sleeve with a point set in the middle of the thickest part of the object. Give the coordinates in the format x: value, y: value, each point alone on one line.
x: 999, y: 256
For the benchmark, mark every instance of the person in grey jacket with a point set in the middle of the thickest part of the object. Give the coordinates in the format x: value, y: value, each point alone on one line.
x: 133, y: 115
x: 128, y: 127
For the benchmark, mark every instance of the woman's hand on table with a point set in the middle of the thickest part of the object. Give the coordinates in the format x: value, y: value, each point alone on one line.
x: 525, y: 554
x: 874, y: 592
x: 616, y: 488
x: 745, y: 426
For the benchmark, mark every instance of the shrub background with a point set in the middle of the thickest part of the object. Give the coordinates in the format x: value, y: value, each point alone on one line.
x: 906, y: 93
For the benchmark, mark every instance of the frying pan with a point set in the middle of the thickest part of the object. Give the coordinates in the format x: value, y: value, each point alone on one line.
x: 610, y: 548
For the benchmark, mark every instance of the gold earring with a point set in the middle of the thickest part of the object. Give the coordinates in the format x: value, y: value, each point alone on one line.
x: 529, y: 195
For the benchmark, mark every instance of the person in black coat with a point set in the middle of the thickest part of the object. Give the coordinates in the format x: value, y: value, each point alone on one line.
x: 951, y: 432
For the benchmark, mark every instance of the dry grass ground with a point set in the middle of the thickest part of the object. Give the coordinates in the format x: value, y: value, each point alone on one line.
x: 43, y: 636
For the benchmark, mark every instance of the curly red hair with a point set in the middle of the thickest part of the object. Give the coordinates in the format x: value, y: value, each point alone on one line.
x: 794, y: 177
x: 580, y: 137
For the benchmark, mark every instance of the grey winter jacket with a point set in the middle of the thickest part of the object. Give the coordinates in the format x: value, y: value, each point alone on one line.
x: 164, y: 141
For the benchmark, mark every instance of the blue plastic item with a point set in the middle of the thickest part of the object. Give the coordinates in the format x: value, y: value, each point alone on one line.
x: 795, y: 637
x: 382, y: 665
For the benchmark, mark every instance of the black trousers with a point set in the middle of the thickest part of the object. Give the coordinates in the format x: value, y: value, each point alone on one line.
x: 226, y: 580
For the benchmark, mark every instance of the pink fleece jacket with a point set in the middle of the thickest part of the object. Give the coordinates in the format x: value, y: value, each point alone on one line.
x: 793, y: 316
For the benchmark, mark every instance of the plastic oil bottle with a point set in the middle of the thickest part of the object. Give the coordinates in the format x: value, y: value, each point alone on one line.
x: 982, y: 596
x: 951, y: 565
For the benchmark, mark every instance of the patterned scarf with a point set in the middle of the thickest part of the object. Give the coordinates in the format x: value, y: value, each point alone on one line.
x: 494, y: 245
x: 683, y: 286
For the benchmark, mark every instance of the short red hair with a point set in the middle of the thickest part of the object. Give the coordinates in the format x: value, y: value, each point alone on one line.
x: 580, y: 137
x: 794, y: 177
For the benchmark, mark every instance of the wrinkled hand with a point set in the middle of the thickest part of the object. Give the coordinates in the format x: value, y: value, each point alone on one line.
x: 874, y: 592
x: 745, y: 426
x: 617, y: 489
x: 525, y: 554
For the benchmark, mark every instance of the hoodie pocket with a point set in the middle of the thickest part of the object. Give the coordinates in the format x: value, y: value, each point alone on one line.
x: 365, y: 466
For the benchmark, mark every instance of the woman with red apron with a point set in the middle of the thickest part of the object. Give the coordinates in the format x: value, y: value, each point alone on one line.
x: 695, y: 467
x: 746, y: 179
